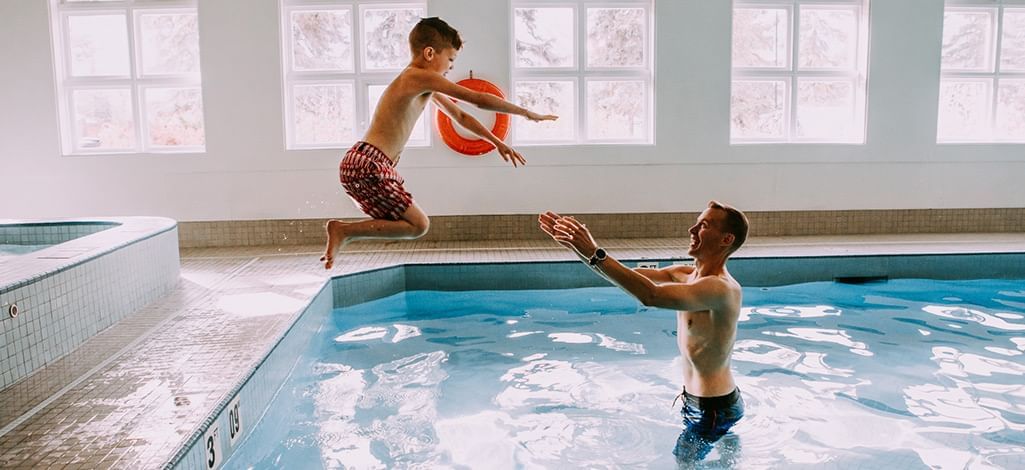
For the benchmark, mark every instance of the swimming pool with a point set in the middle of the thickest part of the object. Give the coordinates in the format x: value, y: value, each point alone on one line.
x: 15, y: 250
x: 905, y: 373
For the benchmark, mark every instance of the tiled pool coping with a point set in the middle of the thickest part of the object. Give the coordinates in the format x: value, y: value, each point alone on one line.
x: 136, y: 394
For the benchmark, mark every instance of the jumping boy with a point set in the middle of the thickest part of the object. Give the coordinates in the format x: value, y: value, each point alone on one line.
x: 368, y: 171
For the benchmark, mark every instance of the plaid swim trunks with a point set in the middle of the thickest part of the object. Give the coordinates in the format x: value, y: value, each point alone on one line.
x: 369, y: 178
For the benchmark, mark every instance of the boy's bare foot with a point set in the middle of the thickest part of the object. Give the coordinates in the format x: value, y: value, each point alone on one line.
x: 335, y: 238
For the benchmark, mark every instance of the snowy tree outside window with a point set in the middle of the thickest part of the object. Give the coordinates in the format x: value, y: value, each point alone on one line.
x: 128, y: 77
x: 982, y: 79
x: 799, y: 71
x: 322, y: 40
x: 588, y: 62
x: 338, y: 56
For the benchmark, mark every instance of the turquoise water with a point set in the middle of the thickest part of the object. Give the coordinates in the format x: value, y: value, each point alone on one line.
x: 14, y: 250
x: 899, y: 374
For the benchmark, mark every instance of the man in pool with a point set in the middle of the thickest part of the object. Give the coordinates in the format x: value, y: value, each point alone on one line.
x: 707, y: 300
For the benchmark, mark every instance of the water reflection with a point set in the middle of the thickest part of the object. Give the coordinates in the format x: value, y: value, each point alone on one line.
x: 792, y: 311
x: 978, y: 316
x: 402, y: 398
x: 895, y: 378
x: 824, y: 335
x: 957, y: 364
x: 953, y: 408
x: 581, y: 412
x: 769, y: 353
x: 399, y: 332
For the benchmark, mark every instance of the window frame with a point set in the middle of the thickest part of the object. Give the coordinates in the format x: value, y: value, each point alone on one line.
x: 993, y: 74
x: 792, y: 73
x: 360, y: 77
x: 136, y: 82
x: 581, y: 74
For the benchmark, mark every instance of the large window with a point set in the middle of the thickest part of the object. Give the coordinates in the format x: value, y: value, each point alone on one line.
x: 590, y: 62
x: 799, y: 71
x: 127, y: 76
x: 338, y: 58
x: 982, y: 83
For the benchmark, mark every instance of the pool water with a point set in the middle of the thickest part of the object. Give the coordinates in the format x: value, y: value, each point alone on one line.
x: 15, y: 250
x: 898, y: 374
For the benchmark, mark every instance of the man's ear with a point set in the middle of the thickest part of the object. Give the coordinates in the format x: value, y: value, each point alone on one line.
x: 429, y: 53
x: 728, y: 239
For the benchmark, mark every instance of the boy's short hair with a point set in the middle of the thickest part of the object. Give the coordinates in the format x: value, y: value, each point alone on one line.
x: 735, y: 223
x: 433, y: 32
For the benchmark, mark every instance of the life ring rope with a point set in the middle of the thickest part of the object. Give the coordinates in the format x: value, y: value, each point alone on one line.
x: 473, y: 147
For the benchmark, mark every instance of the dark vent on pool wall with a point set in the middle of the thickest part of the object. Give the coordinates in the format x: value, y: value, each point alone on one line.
x: 860, y: 279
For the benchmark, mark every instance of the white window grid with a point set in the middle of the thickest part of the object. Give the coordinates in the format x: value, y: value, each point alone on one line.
x: 136, y: 81
x: 361, y: 78
x: 991, y: 77
x: 579, y: 73
x: 791, y: 74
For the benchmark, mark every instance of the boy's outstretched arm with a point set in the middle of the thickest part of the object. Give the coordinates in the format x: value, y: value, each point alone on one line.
x: 440, y: 84
x: 473, y: 125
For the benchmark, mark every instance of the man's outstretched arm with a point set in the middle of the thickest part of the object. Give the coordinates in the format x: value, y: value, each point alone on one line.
x: 570, y: 233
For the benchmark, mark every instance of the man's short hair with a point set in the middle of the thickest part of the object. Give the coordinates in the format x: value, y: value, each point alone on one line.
x: 735, y: 223
x: 433, y: 32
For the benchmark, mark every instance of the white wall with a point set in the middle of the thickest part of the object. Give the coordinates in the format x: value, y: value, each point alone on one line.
x: 247, y: 174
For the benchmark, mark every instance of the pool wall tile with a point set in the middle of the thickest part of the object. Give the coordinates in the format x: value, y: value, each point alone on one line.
x: 256, y: 390
x: 761, y: 272
x: 626, y: 225
x: 356, y: 289
x: 49, y: 233
x: 58, y: 311
x: 501, y: 276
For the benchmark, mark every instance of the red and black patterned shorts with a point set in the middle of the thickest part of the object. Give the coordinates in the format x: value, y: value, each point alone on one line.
x: 370, y: 179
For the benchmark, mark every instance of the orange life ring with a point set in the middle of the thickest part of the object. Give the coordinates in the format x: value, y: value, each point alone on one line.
x: 474, y: 147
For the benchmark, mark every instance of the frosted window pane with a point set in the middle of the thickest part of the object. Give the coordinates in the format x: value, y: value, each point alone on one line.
x: 103, y: 119
x: 760, y: 37
x: 386, y: 37
x: 546, y: 97
x: 757, y: 109
x: 418, y: 135
x: 544, y: 37
x: 322, y: 40
x: 1012, y: 55
x: 616, y: 110
x: 323, y: 114
x: 825, y: 109
x: 964, y: 109
x: 615, y: 37
x: 828, y: 38
x: 967, y: 40
x: 98, y: 45
x: 174, y: 116
x: 170, y: 43
x: 1011, y: 110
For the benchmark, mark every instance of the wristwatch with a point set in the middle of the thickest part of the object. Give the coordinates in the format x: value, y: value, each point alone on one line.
x: 598, y: 256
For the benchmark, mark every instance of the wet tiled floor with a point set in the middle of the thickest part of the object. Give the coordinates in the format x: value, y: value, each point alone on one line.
x: 130, y: 395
